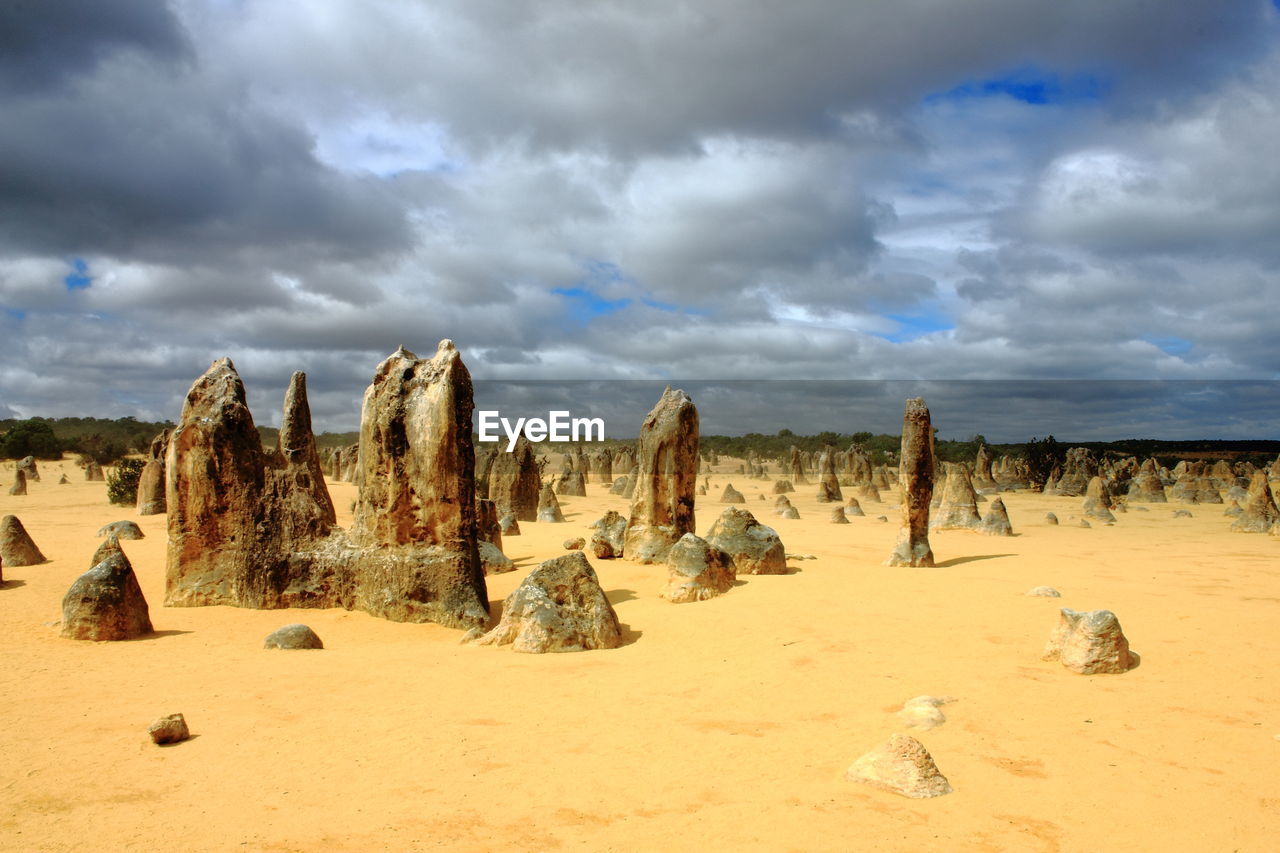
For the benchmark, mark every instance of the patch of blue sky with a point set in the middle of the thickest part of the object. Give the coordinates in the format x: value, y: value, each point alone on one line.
x: 78, y: 278
x: 1031, y: 85
x: 1171, y: 345
x: 584, y: 305
x: 15, y: 313
x: 917, y: 324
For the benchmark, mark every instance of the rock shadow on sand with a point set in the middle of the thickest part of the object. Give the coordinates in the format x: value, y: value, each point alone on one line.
x: 958, y: 561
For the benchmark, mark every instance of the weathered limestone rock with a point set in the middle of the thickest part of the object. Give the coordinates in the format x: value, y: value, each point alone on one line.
x: 515, y: 482
x: 781, y: 487
x: 825, y: 495
x: 19, y: 486
x: 93, y: 472
x: 106, y: 603
x: 1259, y: 511
x: 1146, y: 485
x: 853, y: 507
x: 151, y: 500
x: 982, y: 476
x: 1050, y: 518
x: 1078, y: 468
x: 838, y: 516
x: 16, y: 545
x: 1090, y: 643
x: 667, y: 472
x: 621, y: 486
x: 121, y: 530
x: 697, y: 571
x: 492, y: 560
x: 923, y: 712
x: 63, y: 481
x: 488, y: 528
x: 996, y: 522
x: 170, y: 729
x: 27, y: 465
x: 867, y: 492
x: 1043, y: 592
x: 575, y: 544
x: 901, y: 765
x: 1097, y: 501
x: 732, y: 495
x: 797, y: 468
x: 549, y: 507
x: 573, y: 484
x: 254, y: 529
x: 827, y: 479
x: 295, y: 636
x: 754, y: 548
x: 915, y: 480
x: 609, y: 536
x: 559, y: 607
x: 509, y: 525
x: 958, y: 509
x: 789, y: 512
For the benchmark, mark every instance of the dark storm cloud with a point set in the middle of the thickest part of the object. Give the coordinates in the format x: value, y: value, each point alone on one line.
x: 45, y: 43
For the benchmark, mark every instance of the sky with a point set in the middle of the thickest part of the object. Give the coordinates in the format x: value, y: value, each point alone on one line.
x: 678, y: 191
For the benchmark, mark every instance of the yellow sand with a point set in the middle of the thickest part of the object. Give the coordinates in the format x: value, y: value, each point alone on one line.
x: 723, y: 725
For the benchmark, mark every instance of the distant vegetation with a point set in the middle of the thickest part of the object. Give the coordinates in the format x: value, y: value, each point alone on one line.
x: 122, y: 482
x: 104, y: 440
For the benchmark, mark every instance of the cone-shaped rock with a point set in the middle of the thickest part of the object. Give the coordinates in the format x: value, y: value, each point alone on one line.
x: 996, y: 521
x: 609, y: 536
x: 492, y: 560
x: 697, y: 571
x: 1090, y: 643
x: 915, y: 480
x: 959, y: 507
x: 106, y: 603
x: 301, y: 492
x: 838, y: 516
x: 514, y: 481
x: 559, y: 607
x: 572, y: 483
x: 827, y: 480
x: 93, y: 472
x: 1259, y: 511
x: 732, y: 495
x: 666, y: 474
x: 151, y: 499
x: 853, y: 507
x: 901, y: 765
x: 122, y: 530
x: 19, y: 486
x: 16, y: 545
x: 488, y: 529
x: 1146, y: 486
x: 549, y: 506
x: 754, y: 548
x: 1097, y: 501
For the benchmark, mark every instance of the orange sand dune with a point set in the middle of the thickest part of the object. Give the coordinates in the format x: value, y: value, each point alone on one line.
x: 724, y: 724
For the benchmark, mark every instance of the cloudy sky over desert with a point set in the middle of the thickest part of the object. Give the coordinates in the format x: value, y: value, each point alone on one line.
x: 988, y: 189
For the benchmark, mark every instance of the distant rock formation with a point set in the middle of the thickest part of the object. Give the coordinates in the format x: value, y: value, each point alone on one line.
x: 1146, y: 486
x: 121, y: 530
x: 838, y: 516
x: 151, y: 481
x: 828, y: 481
x: 514, y: 481
x: 609, y: 536
x: 958, y: 509
x: 1078, y: 468
x: 549, y: 507
x: 572, y: 484
x: 27, y: 465
x: 996, y: 521
x: 19, y: 486
x: 1097, y: 501
x: 1259, y: 512
x: 667, y: 472
x: 915, y: 480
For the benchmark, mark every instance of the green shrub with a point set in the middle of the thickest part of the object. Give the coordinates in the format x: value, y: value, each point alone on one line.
x: 122, y: 483
x: 30, y: 438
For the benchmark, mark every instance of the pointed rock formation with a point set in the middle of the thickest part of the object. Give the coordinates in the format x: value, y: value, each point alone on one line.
x: 901, y: 765
x: 915, y: 480
x: 1097, y: 501
x: 754, y: 548
x: 697, y: 570
x: 1078, y: 468
x: 732, y: 495
x: 1259, y: 512
x: 667, y: 472
x: 559, y: 607
x: 1146, y: 486
x: 121, y: 530
x: 93, y: 472
x: 982, y: 476
x: 828, y: 482
x: 573, y: 484
x: 796, y: 467
x: 549, y: 507
x: 958, y: 509
x: 996, y: 521
x: 106, y: 603
x: 515, y: 482
x: 1090, y: 643
x: 151, y: 500
x: 838, y: 516
x: 853, y: 507
x: 19, y: 486
x: 16, y: 546
x: 297, y: 486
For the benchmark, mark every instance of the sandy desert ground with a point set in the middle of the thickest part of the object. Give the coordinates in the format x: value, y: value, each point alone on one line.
x: 724, y: 724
